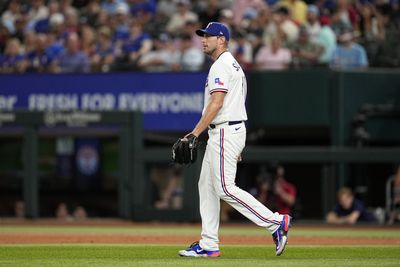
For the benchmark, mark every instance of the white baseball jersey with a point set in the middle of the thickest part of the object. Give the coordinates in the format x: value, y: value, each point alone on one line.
x: 227, y: 76
x: 224, y: 147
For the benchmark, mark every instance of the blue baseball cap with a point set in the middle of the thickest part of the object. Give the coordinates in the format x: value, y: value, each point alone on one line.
x: 215, y: 29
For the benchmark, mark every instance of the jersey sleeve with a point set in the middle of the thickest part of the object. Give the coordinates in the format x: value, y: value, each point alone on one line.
x: 218, y: 79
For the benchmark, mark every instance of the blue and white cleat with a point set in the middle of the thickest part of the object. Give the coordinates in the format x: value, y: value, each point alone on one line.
x: 280, y: 236
x: 196, y: 251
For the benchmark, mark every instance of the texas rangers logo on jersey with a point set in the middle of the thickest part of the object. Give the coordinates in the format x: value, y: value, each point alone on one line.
x: 219, y: 82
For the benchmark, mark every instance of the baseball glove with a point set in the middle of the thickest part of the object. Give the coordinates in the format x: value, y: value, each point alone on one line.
x: 184, y: 151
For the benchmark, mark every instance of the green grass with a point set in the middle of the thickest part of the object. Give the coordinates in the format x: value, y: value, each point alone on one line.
x: 195, y: 230
x: 141, y: 255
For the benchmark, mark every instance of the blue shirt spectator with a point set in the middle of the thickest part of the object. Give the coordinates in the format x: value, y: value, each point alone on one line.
x: 72, y: 60
x: 348, y: 54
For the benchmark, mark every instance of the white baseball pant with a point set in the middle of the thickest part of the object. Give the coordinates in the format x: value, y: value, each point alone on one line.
x: 217, y: 181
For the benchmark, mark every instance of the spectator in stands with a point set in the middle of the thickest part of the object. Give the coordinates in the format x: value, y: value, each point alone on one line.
x: 305, y: 53
x: 372, y: 30
x: 285, y: 27
x: 138, y: 44
x: 211, y: 13
x: 297, y: 10
x: 191, y: 58
x: 164, y: 57
x: 388, y: 54
x: 395, y: 209
x: 273, y: 56
x: 348, y: 54
x: 285, y: 192
x: 88, y: 40
x: 4, y: 37
x: 168, y: 182
x: 80, y: 213
x: 62, y: 212
x: 39, y: 60
x: 179, y: 19
x: 9, y: 17
x: 348, y: 210
x: 344, y: 16
x: 37, y: 12
x: 313, y: 25
x: 20, y: 28
x: 90, y: 13
x: 72, y: 59
x: 13, y: 60
x: 71, y: 21
x: 43, y: 25
x: 327, y: 39
x: 110, y: 6
x: 104, y: 51
x: 243, y: 8
x: 242, y: 50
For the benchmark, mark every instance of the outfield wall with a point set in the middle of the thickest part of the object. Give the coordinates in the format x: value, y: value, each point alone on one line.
x: 306, y: 108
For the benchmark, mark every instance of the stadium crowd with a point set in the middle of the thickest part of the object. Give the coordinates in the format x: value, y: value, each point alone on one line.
x: 68, y: 36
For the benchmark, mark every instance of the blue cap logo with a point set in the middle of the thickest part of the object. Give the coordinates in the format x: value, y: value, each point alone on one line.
x: 215, y: 29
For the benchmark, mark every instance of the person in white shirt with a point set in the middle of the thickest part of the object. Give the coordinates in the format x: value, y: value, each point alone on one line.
x: 224, y: 116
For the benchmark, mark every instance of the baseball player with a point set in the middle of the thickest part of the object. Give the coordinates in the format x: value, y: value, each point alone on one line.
x: 224, y: 116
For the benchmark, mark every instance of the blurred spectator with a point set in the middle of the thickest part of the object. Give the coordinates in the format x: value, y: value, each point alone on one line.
x: 348, y: 54
x: 327, y: 39
x: 90, y: 13
x: 104, y: 51
x: 285, y: 27
x: 168, y: 182
x: 388, y: 54
x: 20, y: 28
x: 348, y: 210
x: 80, y: 213
x: 43, y: 25
x: 88, y: 40
x: 37, y: 12
x: 211, y: 13
x: 313, y: 25
x: 190, y: 29
x: 371, y: 23
x: 4, y: 37
x: 273, y: 56
x: 166, y: 7
x: 110, y: 6
x: 305, y: 53
x: 13, y: 60
x: 138, y: 44
x: 19, y: 209
x: 9, y: 17
x: 246, y: 8
x: 141, y: 8
x: 72, y: 59
x: 297, y: 10
x: 285, y: 192
x: 179, y: 19
x: 191, y: 58
x: 372, y: 31
x: 40, y: 60
x: 164, y: 57
x: 344, y: 16
x: 395, y: 209
x: 62, y: 212
x: 242, y: 50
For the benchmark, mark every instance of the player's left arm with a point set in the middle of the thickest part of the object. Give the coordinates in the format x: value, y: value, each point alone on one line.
x: 212, y: 109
